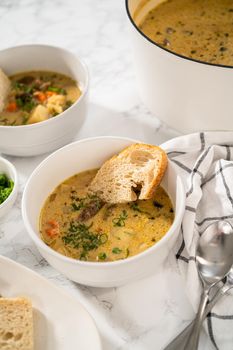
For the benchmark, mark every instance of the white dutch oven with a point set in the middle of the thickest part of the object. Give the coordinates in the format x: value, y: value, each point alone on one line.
x: 186, y: 94
x: 74, y: 158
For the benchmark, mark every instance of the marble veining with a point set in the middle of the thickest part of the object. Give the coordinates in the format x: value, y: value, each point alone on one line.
x: 145, y: 314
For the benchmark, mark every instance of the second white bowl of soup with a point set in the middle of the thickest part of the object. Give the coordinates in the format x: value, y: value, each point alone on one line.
x: 43, y: 99
x: 101, y: 245
x: 183, y: 59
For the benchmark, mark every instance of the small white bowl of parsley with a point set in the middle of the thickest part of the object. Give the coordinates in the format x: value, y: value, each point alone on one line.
x: 8, y: 186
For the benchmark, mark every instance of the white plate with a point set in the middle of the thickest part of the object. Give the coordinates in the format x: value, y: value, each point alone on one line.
x: 61, y: 322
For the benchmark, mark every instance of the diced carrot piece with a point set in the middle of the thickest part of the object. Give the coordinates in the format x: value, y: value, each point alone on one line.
x: 53, y: 223
x: 52, y: 232
x: 12, y: 107
x: 50, y: 93
x: 41, y: 96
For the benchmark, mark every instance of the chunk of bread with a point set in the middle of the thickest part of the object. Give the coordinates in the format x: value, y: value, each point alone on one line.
x: 16, y: 324
x: 5, y: 85
x: 39, y: 114
x: 55, y: 103
x: 138, y: 168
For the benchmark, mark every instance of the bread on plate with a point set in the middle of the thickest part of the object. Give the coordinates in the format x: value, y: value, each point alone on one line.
x: 16, y: 324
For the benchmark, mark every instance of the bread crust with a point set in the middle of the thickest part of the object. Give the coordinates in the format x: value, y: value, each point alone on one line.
x: 144, y: 161
x: 4, y: 89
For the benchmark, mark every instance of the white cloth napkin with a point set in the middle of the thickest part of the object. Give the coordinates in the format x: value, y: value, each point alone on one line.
x: 205, y: 163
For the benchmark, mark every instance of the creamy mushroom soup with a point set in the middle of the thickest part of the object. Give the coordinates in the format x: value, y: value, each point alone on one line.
x: 81, y: 226
x: 199, y: 29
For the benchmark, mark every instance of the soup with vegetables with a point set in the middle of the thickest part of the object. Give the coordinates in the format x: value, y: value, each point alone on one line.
x: 199, y: 29
x: 37, y: 96
x: 80, y: 225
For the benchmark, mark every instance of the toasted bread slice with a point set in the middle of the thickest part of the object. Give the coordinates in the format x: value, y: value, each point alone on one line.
x: 5, y: 85
x: 139, y: 168
x: 16, y: 324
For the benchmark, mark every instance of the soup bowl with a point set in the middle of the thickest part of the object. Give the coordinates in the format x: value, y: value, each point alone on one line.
x: 187, y: 94
x: 9, y: 170
x: 46, y: 136
x: 74, y: 158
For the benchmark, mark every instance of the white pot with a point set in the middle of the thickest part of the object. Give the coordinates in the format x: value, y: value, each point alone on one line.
x: 74, y: 158
x: 46, y: 136
x: 186, y: 94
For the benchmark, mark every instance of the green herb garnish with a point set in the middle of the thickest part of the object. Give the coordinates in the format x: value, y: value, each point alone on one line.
x: 80, y: 203
x: 83, y: 256
x: 24, y: 119
x: 57, y: 89
x: 25, y: 102
x: 103, y: 238
x: 134, y: 206
x: 68, y: 105
x: 28, y: 106
x: 116, y: 250
x: 102, y: 256
x: 120, y: 221
x: 79, y: 236
x: 6, y: 187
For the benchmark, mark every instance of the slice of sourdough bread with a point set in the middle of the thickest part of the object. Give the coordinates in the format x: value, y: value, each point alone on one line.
x: 133, y: 173
x: 5, y: 85
x: 16, y: 324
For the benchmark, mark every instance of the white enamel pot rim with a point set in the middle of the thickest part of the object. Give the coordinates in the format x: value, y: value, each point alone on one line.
x: 165, y: 49
x: 105, y: 265
x: 187, y: 94
x: 63, y: 114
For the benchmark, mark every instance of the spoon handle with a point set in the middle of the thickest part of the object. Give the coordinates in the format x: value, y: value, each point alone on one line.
x: 178, y: 343
x: 193, y: 339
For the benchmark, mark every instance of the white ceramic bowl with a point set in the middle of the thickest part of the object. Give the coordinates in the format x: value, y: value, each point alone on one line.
x: 186, y: 94
x: 8, y: 168
x: 29, y: 140
x: 74, y: 158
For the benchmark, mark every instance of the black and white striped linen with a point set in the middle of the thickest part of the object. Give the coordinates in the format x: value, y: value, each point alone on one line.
x: 205, y: 163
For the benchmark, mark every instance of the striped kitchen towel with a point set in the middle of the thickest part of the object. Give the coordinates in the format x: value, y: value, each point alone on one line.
x: 205, y: 163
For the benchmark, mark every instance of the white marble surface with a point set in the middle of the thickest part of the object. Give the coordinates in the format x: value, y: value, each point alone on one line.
x: 145, y: 314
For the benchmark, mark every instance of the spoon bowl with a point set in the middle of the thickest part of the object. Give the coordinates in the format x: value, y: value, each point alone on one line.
x: 214, y: 254
x: 214, y: 259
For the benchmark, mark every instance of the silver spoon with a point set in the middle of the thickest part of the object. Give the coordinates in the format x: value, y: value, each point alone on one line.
x: 179, y: 341
x: 214, y: 258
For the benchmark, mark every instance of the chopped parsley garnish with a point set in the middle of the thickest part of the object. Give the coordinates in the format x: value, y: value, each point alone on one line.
x: 25, y: 102
x: 79, y: 236
x: 80, y: 203
x: 24, y: 119
x: 135, y: 207
x: 102, y: 256
x: 6, y: 187
x: 120, y: 221
x: 116, y: 250
x: 68, y: 104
